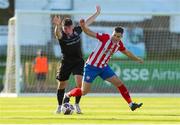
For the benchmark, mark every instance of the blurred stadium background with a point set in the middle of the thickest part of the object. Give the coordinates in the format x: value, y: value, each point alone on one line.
x: 152, y: 31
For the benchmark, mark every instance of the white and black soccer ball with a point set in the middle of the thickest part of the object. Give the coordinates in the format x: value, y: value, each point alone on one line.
x: 67, y: 109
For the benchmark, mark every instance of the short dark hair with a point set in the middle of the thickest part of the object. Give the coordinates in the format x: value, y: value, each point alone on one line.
x: 119, y: 29
x: 67, y: 22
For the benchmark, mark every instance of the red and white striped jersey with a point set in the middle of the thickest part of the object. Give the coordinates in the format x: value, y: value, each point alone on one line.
x: 104, y: 50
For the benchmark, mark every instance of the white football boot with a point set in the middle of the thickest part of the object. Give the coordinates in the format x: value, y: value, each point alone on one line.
x: 77, y: 108
x: 58, y: 110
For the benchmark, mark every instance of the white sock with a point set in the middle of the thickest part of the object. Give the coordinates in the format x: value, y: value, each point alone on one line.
x: 67, y: 95
x: 130, y: 104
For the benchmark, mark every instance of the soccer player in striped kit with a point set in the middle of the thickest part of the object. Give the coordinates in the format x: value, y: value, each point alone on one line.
x: 97, y: 64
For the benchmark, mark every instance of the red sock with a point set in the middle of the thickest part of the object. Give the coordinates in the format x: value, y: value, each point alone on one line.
x: 125, y: 94
x: 75, y: 92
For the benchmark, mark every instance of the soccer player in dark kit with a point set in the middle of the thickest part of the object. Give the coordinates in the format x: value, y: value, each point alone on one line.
x: 68, y: 36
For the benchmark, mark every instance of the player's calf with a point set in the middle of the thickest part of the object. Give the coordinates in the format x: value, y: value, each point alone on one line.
x: 66, y: 99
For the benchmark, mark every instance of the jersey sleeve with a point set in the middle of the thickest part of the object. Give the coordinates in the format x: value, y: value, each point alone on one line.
x: 102, y: 37
x: 78, y: 29
x: 121, y: 47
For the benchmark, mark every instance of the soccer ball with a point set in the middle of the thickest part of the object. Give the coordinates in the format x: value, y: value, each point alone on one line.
x: 67, y: 109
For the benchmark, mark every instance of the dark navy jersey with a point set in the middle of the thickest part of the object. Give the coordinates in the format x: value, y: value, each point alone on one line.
x: 71, y: 45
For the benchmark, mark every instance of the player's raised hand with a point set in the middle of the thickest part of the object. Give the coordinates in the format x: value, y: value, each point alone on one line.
x: 98, y: 9
x: 82, y: 22
x: 57, y: 20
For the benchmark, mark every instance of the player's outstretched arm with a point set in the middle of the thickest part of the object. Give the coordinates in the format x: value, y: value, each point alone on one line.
x: 132, y: 56
x: 86, y: 29
x: 57, y: 28
x: 92, y: 18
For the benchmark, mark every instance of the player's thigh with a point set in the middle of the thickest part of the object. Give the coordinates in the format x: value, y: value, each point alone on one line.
x: 90, y: 73
x: 77, y: 71
x: 64, y: 71
x: 78, y: 68
x: 86, y: 87
x: 106, y: 73
x: 115, y: 81
x: 78, y: 80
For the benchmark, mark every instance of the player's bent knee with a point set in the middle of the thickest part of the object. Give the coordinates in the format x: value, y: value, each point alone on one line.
x: 78, y: 85
x: 62, y: 84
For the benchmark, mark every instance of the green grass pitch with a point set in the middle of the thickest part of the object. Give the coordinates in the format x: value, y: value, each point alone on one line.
x: 96, y: 110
